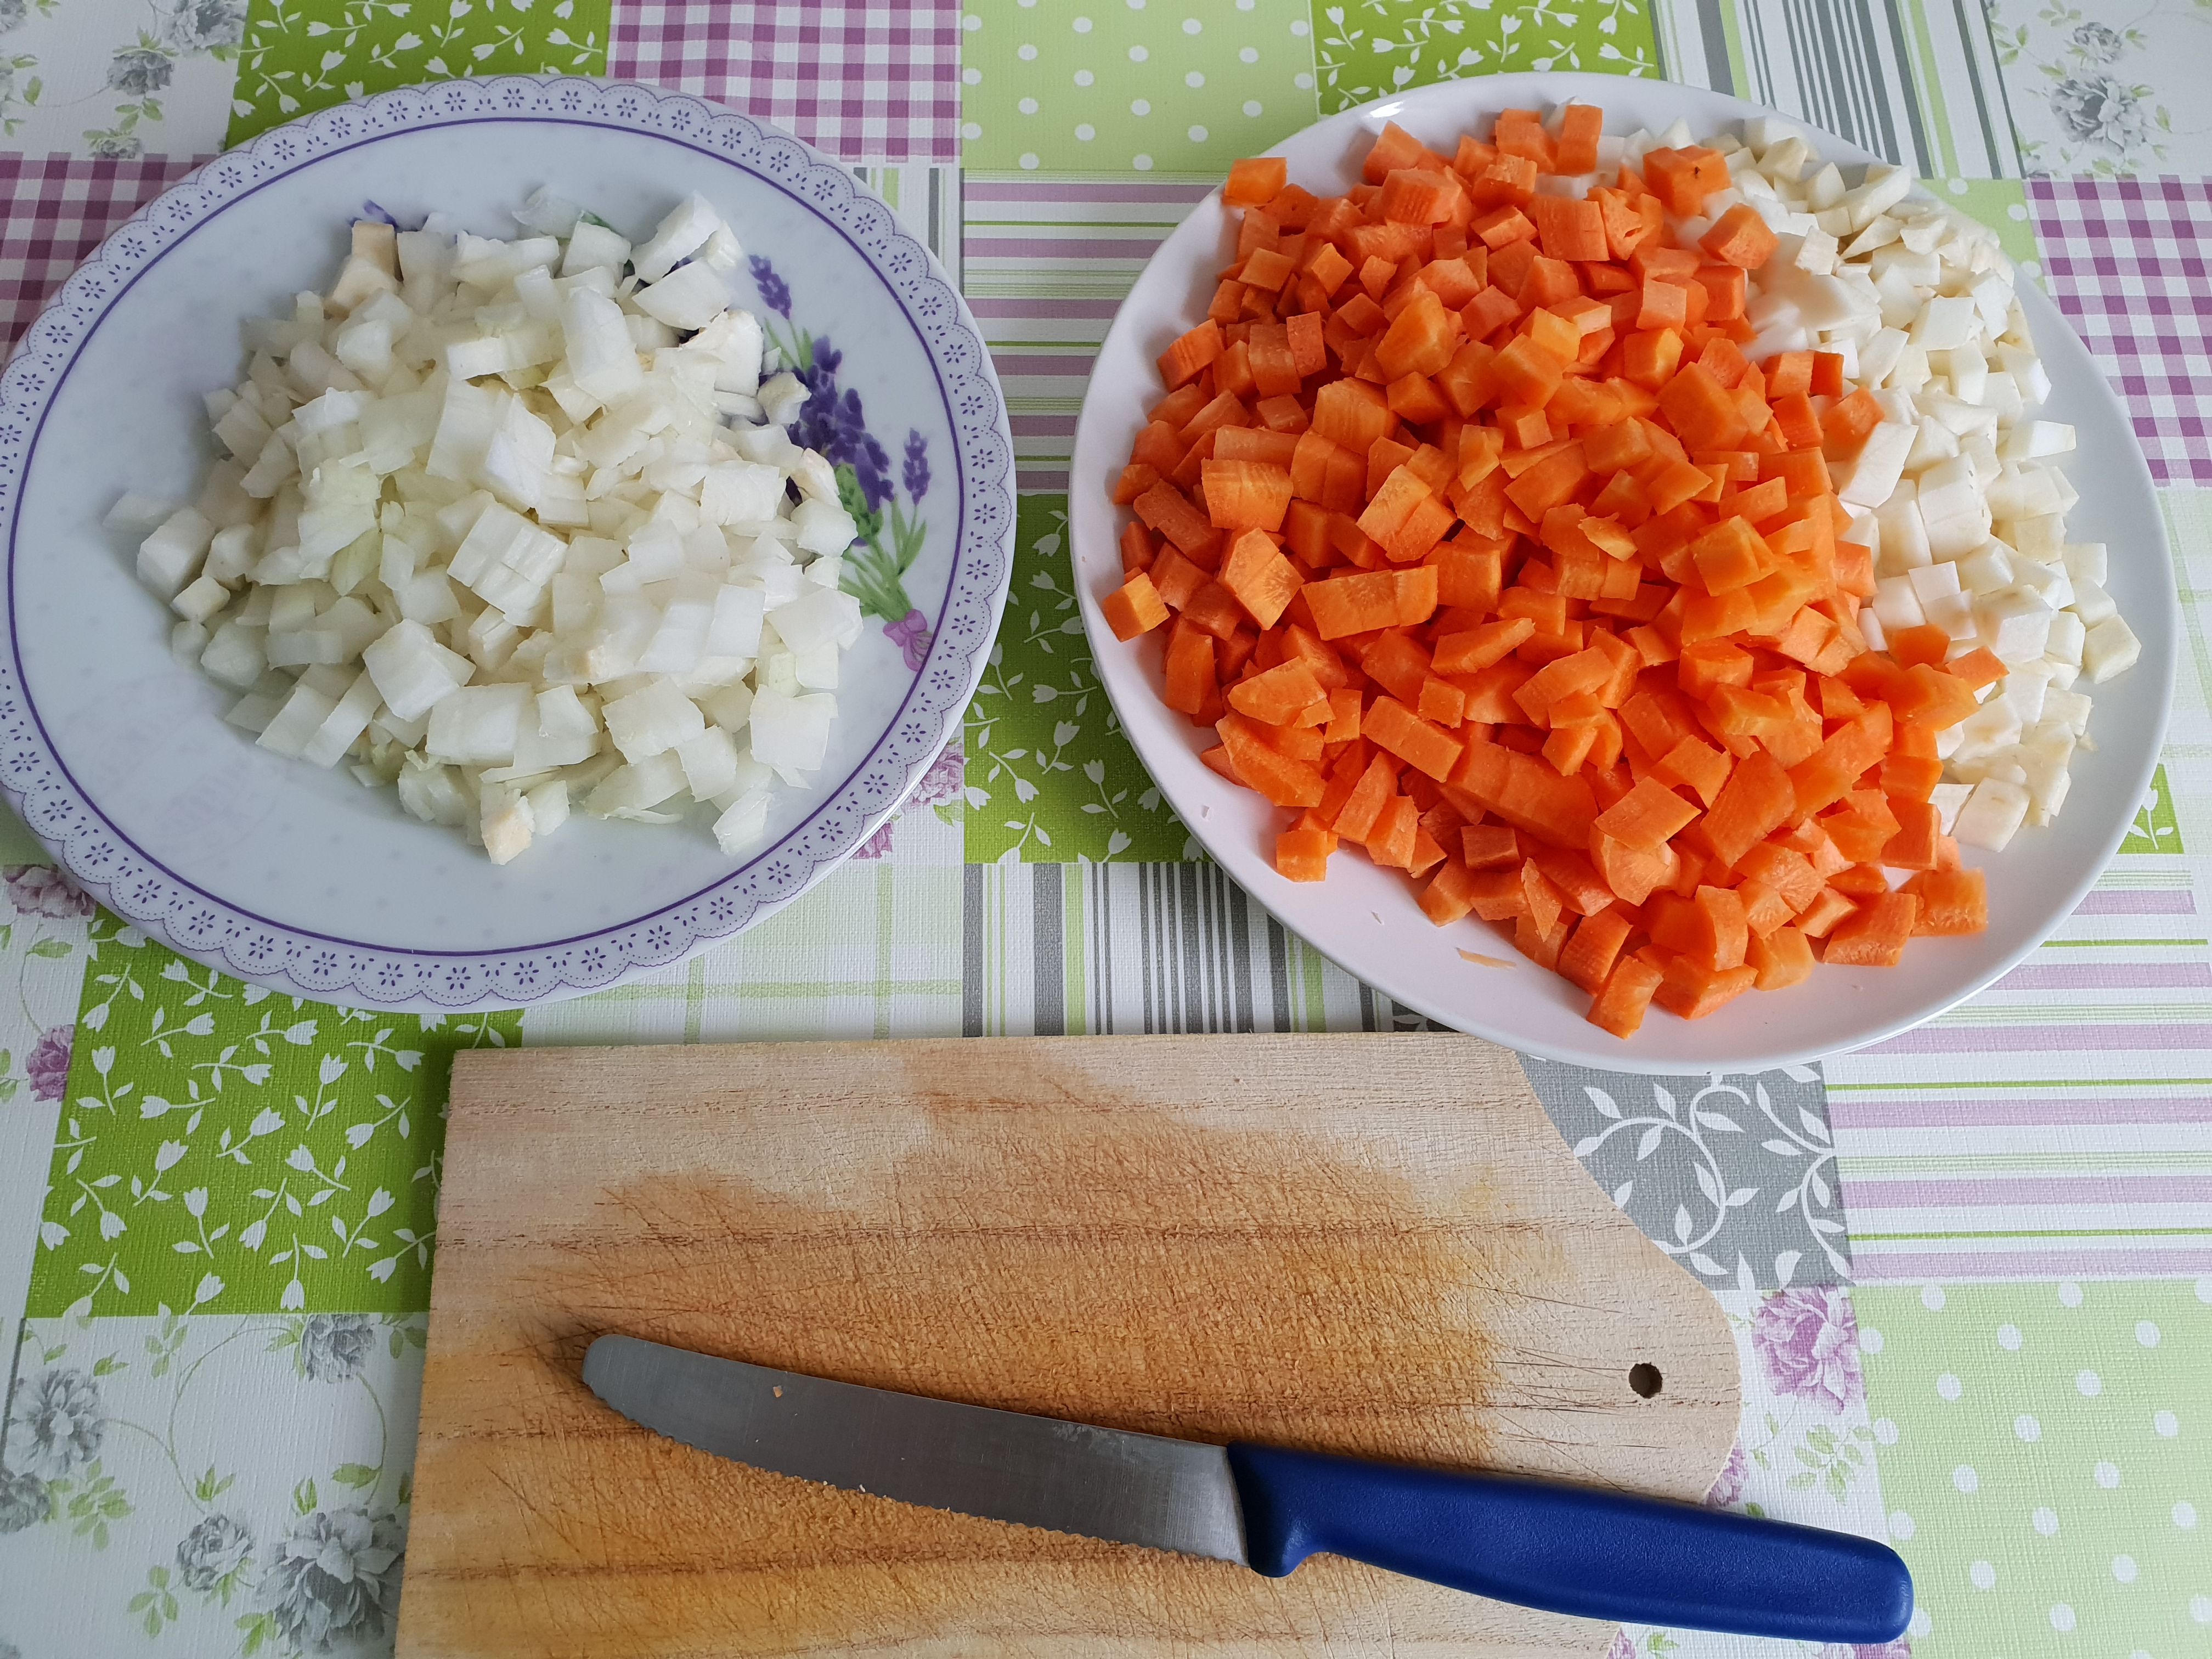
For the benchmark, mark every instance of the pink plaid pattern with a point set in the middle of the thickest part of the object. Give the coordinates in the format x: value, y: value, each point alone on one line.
x: 54, y: 210
x: 2127, y: 260
x: 877, y: 82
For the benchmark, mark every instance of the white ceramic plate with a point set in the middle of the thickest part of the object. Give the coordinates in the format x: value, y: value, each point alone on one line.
x: 1365, y: 918
x: 118, y: 758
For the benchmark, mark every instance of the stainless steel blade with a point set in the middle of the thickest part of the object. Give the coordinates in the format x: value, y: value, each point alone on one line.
x: 1003, y: 1465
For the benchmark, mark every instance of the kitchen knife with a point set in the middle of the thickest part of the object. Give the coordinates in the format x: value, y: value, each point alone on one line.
x: 1567, y: 1549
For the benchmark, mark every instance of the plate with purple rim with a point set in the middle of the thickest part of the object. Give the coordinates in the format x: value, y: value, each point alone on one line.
x: 1468, y: 975
x: 118, y: 758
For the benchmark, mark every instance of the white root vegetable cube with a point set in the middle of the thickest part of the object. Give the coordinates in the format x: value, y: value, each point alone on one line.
x: 1947, y: 799
x: 548, y: 806
x: 735, y: 492
x: 169, y: 557
x: 1952, y: 612
x: 2085, y: 561
x: 345, y: 722
x: 1870, y: 629
x: 1944, y: 322
x: 2067, y: 636
x: 602, y: 359
x: 201, y: 599
x: 2068, y: 708
x: 685, y: 231
x: 562, y: 714
x: 506, y: 822
x: 1895, y: 604
x: 1992, y: 725
x: 709, y: 762
x: 2091, y: 603
x: 296, y: 722
x: 1904, y: 538
x: 2014, y: 623
x: 1934, y: 581
x: 2110, y: 648
x: 466, y: 421
x: 637, y: 787
x: 2032, y: 440
x: 824, y: 526
x: 791, y: 732
x: 1873, y: 474
x: 2051, y: 582
x: 781, y: 397
x: 743, y: 823
x: 819, y: 616
x: 519, y: 455
x: 1985, y: 569
x: 234, y: 656
x: 1991, y: 813
x: 687, y: 298
x: 652, y: 721
x: 594, y: 247
x: 477, y: 725
x: 412, y: 671
x: 735, y: 628
x: 432, y: 792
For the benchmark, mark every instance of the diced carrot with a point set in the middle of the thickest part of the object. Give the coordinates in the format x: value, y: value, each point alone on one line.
x: 1755, y: 800
x: 1255, y: 182
x: 1648, y: 816
x: 1741, y: 238
x: 1261, y: 578
x: 1302, y: 854
x: 1693, y: 990
x: 1278, y: 694
x: 1580, y: 126
x: 1593, y: 949
x: 1190, y: 670
x: 1846, y: 424
x: 1819, y: 919
x: 1242, y: 495
x: 1181, y: 361
x: 1391, y: 726
x: 1133, y: 608
x: 1953, y: 901
x: 1875, y: 937
x: 1682, y: 178
x: 1620, y: 1007
x: 1569, y: 228
x: 1780, y: 959
x: 1164, y: 508
x: 1390, y: 842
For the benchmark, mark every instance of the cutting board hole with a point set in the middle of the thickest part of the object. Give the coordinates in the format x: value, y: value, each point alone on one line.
x: 1645, y: 1380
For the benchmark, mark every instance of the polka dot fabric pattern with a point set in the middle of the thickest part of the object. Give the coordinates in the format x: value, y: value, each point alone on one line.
x: 870, y: 83
x: 2046, y: 1462
x: 1181, y: 87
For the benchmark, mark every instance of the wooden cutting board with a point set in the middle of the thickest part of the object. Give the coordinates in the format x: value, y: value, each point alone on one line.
x: 1367, y: 1245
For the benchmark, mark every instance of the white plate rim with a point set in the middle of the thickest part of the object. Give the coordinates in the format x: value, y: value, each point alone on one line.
x: 226, y: 934
x: 1196, y: 792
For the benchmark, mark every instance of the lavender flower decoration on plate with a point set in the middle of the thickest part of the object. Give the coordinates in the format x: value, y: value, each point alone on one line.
x: 833, y: 422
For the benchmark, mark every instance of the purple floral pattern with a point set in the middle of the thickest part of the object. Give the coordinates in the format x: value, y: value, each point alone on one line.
x: 48, y: 1066
x: 1807, y: 1342
x: 833, y: 422
x: 938, y: 785
x: 42, y: 890
x: 1727, y: 1485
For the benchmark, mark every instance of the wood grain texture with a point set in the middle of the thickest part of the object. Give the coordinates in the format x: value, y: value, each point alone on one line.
x: 1365, y: 1244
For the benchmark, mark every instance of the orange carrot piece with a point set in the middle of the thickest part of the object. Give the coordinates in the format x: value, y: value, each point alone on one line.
x: 1780, y: 959
x: 1302, y: 854
x: 1741, y: 238
x: 1256, y: 181
x: 1183, y: 361
x: 1133, y: 608
x: 1875, y: 937
x: 1620, y: 1007
x: 1389, y: 725
x: 1262, y: 580
x: 1951, y: 900
x: 1648, y: 816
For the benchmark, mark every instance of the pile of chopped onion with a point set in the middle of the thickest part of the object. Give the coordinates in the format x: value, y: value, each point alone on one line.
x: 517, y: 526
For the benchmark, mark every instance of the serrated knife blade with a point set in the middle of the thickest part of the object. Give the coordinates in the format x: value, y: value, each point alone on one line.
x: 1569, y: 1549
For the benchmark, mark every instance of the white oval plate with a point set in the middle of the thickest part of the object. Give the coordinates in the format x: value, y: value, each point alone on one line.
x: 1365, y: 918
x: 303, y: 880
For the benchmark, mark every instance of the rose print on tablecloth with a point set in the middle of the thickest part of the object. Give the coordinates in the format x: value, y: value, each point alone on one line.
x: 55, y: 1425
x: 833, y: 422
x: 23, y: 1502
x: 2088, y: 96
x: 334, y: 1577
x: 48, y: 1066
x: 42, y: 890
x: 1727, y: 1485
x: 213, y: 1550
x: 1808, y: 1342
x: 333, y: 1347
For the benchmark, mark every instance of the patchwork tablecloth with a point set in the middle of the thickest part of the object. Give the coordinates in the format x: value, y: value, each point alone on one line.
x: 1970, y: 1269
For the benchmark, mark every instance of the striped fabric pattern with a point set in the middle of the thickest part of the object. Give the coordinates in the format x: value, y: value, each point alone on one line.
x: 1047, y: 262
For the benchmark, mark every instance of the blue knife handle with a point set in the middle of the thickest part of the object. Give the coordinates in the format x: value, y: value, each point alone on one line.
x: 1571, y: 1549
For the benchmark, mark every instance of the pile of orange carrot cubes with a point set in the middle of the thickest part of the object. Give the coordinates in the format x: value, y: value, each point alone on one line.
x: 1482, y: 546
